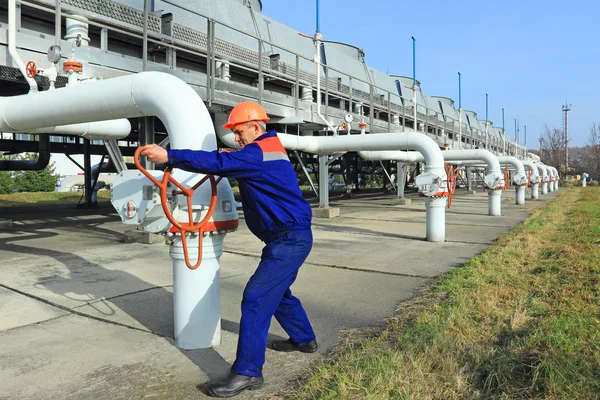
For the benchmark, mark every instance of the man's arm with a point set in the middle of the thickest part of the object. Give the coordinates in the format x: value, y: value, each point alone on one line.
x: 246, y: 163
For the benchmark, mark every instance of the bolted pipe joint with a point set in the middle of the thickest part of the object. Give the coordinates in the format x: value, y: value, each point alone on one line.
x: 519, y: 179
x: 494, y: 181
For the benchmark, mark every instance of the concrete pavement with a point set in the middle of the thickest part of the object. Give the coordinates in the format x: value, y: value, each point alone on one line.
x: 86, y: 316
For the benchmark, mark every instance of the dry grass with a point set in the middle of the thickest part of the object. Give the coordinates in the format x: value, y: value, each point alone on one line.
x: 519, y: 321
x: 25, y: 199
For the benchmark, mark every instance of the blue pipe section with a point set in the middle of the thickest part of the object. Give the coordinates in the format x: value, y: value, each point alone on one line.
x: 459, y: 92
x: 318, y: 15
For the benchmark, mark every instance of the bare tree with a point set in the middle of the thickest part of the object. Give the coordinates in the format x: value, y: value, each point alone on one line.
x: 552, y: 147
x: 591, y: 154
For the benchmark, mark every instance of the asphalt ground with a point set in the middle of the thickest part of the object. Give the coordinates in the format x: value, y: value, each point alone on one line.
x: 85, y: 315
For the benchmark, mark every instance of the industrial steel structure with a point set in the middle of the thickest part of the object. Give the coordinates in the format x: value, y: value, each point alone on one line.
x: 107, y: 77
x: 228, y: 51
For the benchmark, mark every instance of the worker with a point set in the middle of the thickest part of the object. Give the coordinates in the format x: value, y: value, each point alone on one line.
x: 277, y: 214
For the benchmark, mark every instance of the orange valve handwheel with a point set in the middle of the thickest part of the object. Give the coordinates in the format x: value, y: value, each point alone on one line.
x: 452, y: 174
x: 30, y: 69
x: 506, y: 178
x: 183, y: 228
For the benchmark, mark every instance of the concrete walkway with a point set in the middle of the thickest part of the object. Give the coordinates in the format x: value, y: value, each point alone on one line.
x: 85, y: 316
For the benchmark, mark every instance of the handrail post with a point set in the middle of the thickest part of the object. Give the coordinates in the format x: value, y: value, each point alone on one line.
x: 326, y: 91
x: 371, y: 108
x: 210, y: 35
x: 297, y: 87
x: 260, y: 72
x: 57, y: 23
x: 350, y: 96
x: 145, y: 38
x: 389, y: 111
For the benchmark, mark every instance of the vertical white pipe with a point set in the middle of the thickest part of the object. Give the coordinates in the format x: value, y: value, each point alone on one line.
x: 435, y: 212
x: 197, y: 313
x: 535, y: 191
x: 323, y: 182
x: 495, y: 202
x: 12, y: 44
x: 583, y: 182
x: 520, y: 195
x: 545, y: 188
x: 318, y: 38
x: 400, y: 178
x: 469, y: 172
x: 57, y: 23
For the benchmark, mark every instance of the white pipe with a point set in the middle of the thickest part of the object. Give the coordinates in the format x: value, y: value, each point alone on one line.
x: 392, y: 155
x: 519, y: 178
x: 534, y: 178
x: 12, y: 44
x: 556, y: 178
x: 100, y: 130
x: 189, y: 126
x: 135, y: 95
x: 434, y: 161
x: 318, y: 38
x: 545, y: 178
x: 551, y: 179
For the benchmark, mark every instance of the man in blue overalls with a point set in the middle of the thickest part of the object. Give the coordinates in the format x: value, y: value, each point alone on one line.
x: 277, y: 214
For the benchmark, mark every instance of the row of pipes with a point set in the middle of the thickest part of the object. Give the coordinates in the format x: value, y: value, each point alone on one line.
x: 98, y: 110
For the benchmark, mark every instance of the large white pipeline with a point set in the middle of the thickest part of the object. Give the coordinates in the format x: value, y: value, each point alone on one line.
x: 534, y: 178
x: 12, y: 44
x: 519, y: 178
x: 188, y: 123
x: 99, y: 130
x: 493, y: 180
x: 434, y: 162
x: 545, y: 177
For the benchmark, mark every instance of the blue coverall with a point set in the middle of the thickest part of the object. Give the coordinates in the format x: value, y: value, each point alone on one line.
x: 277, y: 214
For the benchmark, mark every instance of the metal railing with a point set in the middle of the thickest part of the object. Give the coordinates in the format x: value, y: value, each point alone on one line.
x: 383, y: 105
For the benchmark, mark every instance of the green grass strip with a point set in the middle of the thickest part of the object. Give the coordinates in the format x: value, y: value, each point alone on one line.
x: 519, y: 321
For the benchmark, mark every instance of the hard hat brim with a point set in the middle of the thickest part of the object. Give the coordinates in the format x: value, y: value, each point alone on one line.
x: 231, y: 125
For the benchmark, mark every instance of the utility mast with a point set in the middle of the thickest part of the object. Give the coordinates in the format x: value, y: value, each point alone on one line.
x: 566, y: 108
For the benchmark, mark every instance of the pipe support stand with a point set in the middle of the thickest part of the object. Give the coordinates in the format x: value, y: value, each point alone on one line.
x: 435, y: 210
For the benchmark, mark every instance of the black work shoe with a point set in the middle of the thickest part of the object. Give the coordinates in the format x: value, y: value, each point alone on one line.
x: 233, y: 385
x: 288, y: 345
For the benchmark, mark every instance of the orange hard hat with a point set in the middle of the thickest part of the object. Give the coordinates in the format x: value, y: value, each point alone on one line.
x: 245, y: 112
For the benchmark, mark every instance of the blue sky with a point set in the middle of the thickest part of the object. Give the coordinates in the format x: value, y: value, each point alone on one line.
x: 529, y: 56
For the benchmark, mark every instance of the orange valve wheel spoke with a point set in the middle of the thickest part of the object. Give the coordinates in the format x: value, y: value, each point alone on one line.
x: 182, y: 227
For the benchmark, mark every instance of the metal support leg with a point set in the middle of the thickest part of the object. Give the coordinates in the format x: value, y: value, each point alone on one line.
x: 535, y: 187
x: 323, y: 182
x: 146, y: 136
x: 87, y: 172
x: 495, y: 202
x: 401, y: 178
x: 312, y: 185
x: 469, y: 179
x: 435, y: 211
x: 520, y: 195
